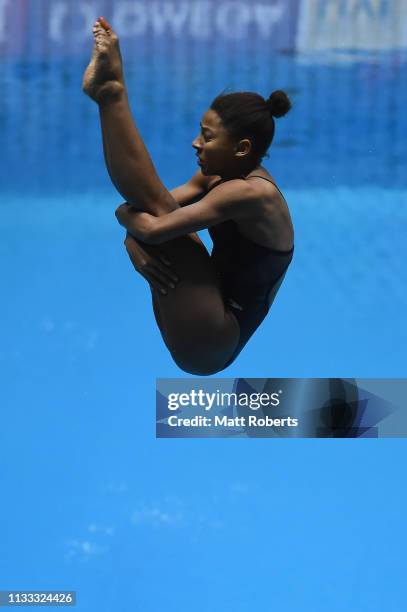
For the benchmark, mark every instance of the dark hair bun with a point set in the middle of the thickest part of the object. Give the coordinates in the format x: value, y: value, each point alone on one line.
x: 279, y: 103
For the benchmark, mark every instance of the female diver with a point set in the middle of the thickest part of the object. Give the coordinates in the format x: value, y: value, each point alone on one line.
x: 208, y: 310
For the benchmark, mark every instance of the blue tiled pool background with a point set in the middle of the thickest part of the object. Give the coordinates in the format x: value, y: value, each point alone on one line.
x: 91, y: 501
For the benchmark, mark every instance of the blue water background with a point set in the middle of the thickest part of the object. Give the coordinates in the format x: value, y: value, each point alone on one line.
x: 90, y: 500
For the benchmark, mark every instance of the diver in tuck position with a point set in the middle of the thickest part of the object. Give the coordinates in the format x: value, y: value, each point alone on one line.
x: 208, y: 310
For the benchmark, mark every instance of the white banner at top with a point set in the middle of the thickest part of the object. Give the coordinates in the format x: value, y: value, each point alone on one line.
x: 352, y: 24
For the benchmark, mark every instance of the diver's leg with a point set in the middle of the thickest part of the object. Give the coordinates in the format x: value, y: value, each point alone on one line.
x: 200, y: 334
x: 129, y: 164
x: 196, y: 328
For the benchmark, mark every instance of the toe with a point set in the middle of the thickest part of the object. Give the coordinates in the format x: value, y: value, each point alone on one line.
x: 105, y: 25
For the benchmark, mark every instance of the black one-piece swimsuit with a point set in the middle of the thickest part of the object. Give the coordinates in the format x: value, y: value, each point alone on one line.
x: 250, y: 274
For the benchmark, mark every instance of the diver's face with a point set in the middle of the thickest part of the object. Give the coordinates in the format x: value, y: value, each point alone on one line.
x: 214, y: 146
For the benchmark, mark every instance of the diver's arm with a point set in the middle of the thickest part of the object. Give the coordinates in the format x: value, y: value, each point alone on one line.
x: 192, y: 190
x: 231, y: 200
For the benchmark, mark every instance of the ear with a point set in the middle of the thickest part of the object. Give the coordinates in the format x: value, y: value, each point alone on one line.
x: 243, y: 147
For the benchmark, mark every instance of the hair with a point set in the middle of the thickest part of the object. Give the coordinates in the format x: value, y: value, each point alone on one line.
x: 248, y: 115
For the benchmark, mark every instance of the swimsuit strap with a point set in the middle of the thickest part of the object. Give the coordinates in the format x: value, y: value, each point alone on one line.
x: 266, y: 179
x: 258, y: 176
x: 216, y: 184
x: 245, y: 178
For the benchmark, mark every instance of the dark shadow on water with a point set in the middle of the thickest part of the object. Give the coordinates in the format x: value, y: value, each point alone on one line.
x: 325, y: 408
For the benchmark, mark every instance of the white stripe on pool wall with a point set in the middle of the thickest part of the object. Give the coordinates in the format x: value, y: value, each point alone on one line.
x: 352, y: 24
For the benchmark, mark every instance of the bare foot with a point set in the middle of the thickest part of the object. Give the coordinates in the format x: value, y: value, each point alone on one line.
x: 103, y: 78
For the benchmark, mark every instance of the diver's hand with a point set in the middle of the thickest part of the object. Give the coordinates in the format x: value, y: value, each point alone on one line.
x: 137, y: 222
x: 155, y: 268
